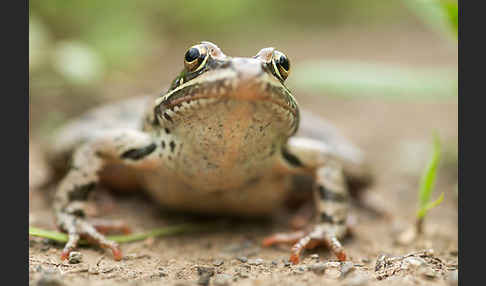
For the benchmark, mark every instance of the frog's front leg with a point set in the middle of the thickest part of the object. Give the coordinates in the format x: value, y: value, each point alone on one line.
x: 127, y: 147
x: 330, y: 193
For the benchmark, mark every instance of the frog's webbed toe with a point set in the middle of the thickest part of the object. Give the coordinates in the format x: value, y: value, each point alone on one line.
x: 301, y: 240
x: 77, y: 228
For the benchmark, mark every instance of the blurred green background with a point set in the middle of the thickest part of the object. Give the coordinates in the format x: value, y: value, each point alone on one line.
x: 82, y: 53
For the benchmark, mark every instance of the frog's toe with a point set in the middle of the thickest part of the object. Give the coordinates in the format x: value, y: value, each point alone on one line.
x: 77, y: 227
x: 302, y: 240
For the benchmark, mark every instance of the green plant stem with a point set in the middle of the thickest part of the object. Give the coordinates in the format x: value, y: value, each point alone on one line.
x: 420, y: 225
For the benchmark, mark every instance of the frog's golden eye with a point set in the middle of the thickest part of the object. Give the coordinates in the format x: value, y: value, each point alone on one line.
x: 195, y: 58
x: 281, y: 65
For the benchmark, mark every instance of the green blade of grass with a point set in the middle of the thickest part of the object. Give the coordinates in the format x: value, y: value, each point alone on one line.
x: 423, y: 211
x: 164, y: 231
x: 428, y: 180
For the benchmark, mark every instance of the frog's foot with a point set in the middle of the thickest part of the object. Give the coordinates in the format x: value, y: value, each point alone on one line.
x: 77, y: 227
x: 307, y: 240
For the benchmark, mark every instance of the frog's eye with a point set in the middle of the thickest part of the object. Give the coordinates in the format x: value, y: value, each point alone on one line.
x: 281, y: 65
x: 195, y: 58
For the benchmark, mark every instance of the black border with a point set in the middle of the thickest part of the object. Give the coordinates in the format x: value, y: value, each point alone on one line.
x: 15, y: 140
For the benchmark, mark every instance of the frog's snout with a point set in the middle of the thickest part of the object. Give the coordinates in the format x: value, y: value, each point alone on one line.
x: 247, y: 69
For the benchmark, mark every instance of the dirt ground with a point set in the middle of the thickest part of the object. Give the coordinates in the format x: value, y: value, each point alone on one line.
x: 396, y: 137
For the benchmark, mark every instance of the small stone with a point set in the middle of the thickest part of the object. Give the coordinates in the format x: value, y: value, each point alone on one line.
x: 205, y: 274
x: 222, y: 280
x: 256, y: 261
x: 318, y: 268
x: 413, y: 263
x: 286, y: 262
x: 218, y: 262
x: 346, y: 268
x: 202, y: 270
x: 75, y: 257
x: 274, y: 263
x: 315, y: 256
x: 242, y: 259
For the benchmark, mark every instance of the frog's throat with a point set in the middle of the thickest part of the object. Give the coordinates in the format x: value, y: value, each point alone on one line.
x: 222, y: 85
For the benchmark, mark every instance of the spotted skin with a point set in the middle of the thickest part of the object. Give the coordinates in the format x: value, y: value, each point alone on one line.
x: 224, y: 139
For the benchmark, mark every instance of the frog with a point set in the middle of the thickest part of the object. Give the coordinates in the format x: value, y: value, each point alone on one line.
x: 227, y: 137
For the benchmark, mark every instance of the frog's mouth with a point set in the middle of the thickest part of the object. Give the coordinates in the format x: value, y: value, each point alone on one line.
x: 228, y: 84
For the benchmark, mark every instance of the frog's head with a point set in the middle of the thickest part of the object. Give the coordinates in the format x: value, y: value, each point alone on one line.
x: 230, y: 113
x: 209, y: 77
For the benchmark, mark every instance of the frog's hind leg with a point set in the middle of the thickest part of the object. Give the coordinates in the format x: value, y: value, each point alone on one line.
x: 128, y: 147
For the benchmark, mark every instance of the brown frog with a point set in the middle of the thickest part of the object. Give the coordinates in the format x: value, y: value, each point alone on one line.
x: 227, y: 137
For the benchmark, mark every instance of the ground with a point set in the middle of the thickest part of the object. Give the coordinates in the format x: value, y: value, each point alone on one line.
x: 396, y: 136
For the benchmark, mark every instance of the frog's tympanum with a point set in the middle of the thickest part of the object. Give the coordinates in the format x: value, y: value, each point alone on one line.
x: 226, y: 138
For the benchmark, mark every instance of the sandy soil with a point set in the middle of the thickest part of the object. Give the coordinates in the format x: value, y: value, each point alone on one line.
x: 395, y: 135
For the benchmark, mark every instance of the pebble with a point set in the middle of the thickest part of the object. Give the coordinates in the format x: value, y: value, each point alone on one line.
x: 413, y: 263
x: 314, y: 256
x: 218, y: 262
x: 318, y: 268
x: 203, y: 270
x: 242, y: 259
x: 274, y: 263
x: 286, y: 262
x: 256, y: 261
x: 222, y: 280
x: 75, y: 257
x: 205, y: 274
